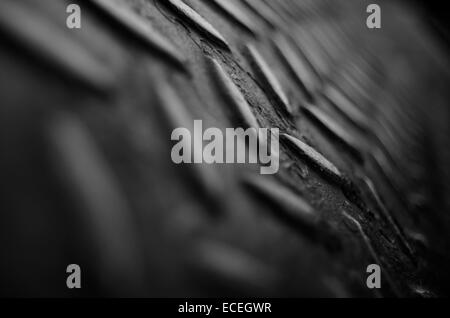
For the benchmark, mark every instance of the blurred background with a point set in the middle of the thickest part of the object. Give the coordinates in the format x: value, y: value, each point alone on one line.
x: 86, y: 117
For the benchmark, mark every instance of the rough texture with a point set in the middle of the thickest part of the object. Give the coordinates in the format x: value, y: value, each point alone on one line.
x: 86, y: 117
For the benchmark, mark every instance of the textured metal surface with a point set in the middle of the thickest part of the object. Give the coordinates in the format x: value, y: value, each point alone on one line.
x: 86, y: 117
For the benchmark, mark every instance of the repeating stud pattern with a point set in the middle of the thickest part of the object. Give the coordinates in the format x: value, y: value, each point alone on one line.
x: 335, y: 129
x: 237, y: 14
x: 50, y: 43
x: 198, y: 22
x: 142, y: 29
